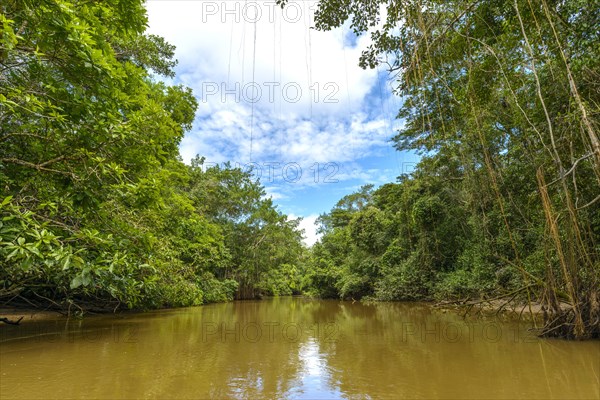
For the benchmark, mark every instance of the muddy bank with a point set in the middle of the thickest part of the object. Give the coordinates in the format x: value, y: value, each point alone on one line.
x: 499, y: 307
x: 28, y: 315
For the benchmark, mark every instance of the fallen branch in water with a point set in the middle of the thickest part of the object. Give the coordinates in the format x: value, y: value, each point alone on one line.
x: 10, y: 322
x: 497, y: 304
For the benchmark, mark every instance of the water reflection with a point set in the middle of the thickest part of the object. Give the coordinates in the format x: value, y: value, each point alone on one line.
x: 314, y: 380
x: 292, y: 348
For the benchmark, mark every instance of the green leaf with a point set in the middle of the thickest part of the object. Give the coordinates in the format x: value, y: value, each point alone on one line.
x: 76, y: 282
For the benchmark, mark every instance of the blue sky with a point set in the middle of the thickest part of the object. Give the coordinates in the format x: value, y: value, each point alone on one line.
x: 281, y: 98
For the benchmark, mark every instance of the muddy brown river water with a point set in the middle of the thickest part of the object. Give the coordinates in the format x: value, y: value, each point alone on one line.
x: 292, y: 348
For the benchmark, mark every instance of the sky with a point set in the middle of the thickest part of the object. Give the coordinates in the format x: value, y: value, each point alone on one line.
x: 284, y: 100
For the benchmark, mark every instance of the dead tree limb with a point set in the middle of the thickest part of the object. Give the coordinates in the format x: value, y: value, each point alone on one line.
x: 10, y: 322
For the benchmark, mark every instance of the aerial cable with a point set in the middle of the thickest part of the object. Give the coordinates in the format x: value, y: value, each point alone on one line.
x: 243, y: 46
x: 353, y: 150
x: 230, y: 50
x: 253, y: 91
x: 280, y: 68
x: 386, y: 115
x: 274, y: 53
x: 308, y: 62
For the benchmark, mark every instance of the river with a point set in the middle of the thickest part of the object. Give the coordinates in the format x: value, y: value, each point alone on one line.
x: 292, y: 348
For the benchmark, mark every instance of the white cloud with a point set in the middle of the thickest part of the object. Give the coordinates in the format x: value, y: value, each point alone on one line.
x: 332, y: 125
x: 216, y: 59
x: 310, y: 229
x: 274, y: 193
x: 217, y: 47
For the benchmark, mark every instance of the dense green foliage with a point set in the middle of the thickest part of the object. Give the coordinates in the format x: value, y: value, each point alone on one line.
x: 96, y: 208
x: 502, y: 100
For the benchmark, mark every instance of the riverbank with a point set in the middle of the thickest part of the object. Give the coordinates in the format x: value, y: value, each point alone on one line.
x: 28, y: 314
x: 497, y: 306
x: 521, y: 310
x: 297, y: 348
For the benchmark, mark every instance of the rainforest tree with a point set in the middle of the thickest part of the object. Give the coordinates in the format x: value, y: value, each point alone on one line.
x: 501, y: 99
x: 97, y: 209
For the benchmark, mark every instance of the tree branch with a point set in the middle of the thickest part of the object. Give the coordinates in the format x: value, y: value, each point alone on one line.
x: 10, y: 322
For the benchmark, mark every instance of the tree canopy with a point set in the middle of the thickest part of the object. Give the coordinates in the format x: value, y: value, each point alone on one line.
x: 501, y: 99
x: 97, y: 209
